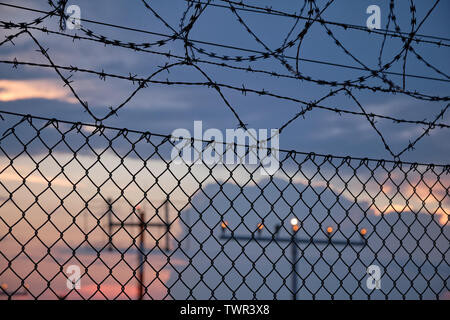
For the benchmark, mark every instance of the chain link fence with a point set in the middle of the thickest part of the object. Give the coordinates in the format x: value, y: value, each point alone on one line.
x: 110, y: 205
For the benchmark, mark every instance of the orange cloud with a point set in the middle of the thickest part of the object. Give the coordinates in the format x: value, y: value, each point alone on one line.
x: 11, y: 90
x: 61, y: 182
x: 420, y: 199
x: 444, y: 216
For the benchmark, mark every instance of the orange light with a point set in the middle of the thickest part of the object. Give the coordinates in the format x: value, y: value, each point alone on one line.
x: 260, y: 226
x: 295, y: 227
x: 138, y: 207
x: 363, y: 231
x: 330, y: 230
x: 224, y: 224
x: 4, y: 286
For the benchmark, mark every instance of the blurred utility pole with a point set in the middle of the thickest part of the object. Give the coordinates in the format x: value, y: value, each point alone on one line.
x: 142, y: 224
x: 293, y: 240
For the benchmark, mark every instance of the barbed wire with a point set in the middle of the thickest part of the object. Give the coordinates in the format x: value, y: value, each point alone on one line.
x: 279, y: 52
x: 135, y: 47
x: 135, y: 79
x: 263, y: 54
x: 189, y: 59
x: 270, y: 11
x: 145, y: 135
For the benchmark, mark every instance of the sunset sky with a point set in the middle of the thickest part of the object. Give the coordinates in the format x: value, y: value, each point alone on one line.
x: 162, y: 108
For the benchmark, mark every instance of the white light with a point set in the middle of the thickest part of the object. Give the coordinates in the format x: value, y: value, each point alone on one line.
x: 294, y: 221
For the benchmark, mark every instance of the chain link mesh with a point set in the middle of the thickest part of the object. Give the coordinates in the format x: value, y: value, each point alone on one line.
x: 111, y: 202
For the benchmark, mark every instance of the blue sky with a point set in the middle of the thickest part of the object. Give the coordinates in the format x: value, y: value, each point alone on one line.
x: 162, y: 108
